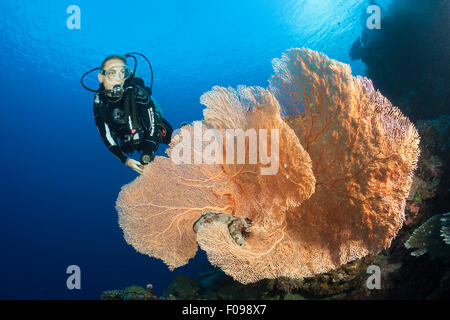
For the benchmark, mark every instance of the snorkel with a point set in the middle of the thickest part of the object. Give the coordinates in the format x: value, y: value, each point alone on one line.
x: 117, y: 90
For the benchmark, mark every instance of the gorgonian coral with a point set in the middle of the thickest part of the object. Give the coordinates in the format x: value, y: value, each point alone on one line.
x: 345, y: 159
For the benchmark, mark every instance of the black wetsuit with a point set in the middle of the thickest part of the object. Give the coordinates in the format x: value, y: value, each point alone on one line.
x: 113, y: 123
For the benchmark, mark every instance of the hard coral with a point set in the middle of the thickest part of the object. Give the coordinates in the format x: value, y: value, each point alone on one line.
x: 433, y: 236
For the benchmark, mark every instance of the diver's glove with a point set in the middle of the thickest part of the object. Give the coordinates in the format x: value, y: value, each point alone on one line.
x: 135, y: 165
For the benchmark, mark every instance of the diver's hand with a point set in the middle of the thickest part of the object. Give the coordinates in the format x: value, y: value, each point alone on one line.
x: 135, y: 165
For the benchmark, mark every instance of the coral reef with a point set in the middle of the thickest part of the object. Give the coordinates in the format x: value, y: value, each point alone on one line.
x: 346, y: 161
x: 130, y: 293
x: 432, y: 237
x: 431, y: 183
x: 183, y: 287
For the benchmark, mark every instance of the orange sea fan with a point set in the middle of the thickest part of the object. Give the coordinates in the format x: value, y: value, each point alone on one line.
x: 344, y: 168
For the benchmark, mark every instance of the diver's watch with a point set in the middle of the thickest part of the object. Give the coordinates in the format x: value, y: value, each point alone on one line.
x: 145, y: 158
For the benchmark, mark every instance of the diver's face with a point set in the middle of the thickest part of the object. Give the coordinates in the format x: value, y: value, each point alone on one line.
x: 113, y: 67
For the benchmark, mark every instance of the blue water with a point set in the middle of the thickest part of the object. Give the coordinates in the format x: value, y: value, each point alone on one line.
x: 59, y: 182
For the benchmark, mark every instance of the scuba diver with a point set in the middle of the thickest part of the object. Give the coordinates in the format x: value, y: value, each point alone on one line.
x: 126, y: 115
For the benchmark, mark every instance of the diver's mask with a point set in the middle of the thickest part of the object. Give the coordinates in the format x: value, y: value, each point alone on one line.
x: 116, y: 72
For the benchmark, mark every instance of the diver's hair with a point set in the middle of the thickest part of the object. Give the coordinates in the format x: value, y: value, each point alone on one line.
x: 113, y: 56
